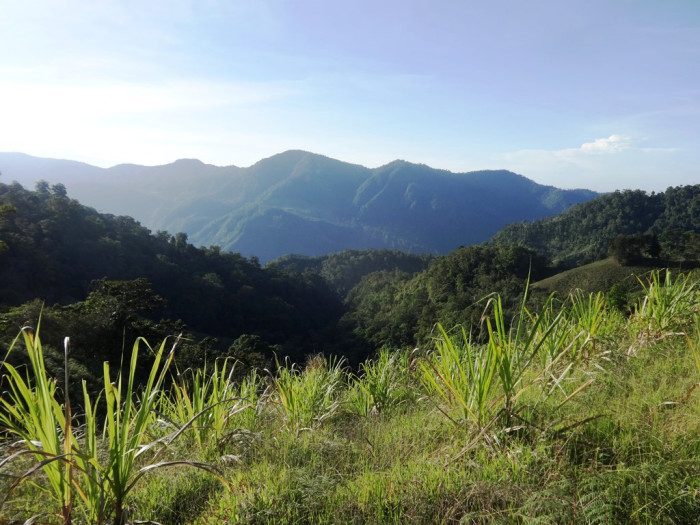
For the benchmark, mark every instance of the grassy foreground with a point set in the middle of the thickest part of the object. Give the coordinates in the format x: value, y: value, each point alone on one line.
x: 575, y: 413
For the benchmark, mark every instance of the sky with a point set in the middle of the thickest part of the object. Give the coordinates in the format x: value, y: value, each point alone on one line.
x: 597, y: 94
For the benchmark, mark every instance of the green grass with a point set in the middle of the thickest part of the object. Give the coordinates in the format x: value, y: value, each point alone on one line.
x: 598, y: 276
x: 214, y: 408
x: 552, y: 419
x: 92, y: 469
x: 382, y: 383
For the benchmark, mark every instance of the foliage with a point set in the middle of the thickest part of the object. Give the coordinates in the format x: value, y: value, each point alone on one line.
x: 250, y: 352
x: 212, y: 404
x: 634, y: 249
x: 310, y: 397
x: 397, y: 309
x: 563, y: 425
x: 461, y: 375
x: 665, y: 298
x: 31, y: 412
x: 583, y: 233
x: 606, y: 275
x: 299, y: 202
x: 91, y: 471
x: 344, y: 270
x: 65, y: 253
x: 383, y: 383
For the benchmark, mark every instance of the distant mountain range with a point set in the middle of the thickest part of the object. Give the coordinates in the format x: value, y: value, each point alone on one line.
x: 300, y: 202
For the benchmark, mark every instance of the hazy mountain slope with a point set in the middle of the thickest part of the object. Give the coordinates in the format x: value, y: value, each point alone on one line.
x: 437, y: 210
x: 147, y: 193
x: 300, y: 202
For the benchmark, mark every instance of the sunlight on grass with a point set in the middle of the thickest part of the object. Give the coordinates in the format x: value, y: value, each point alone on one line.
x: 543, y: 416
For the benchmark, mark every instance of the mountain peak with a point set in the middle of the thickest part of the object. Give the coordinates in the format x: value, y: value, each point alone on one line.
x: 398, y: 163
x: 188, y: 162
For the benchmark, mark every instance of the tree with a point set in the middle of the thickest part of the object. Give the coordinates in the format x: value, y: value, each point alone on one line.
x: 180, y: 240
x: 5, y: 211
x: 121, y: 299
x: 253, y: 353
x: 42, y: 187
x: 59, y: 190
x: 632, y: 249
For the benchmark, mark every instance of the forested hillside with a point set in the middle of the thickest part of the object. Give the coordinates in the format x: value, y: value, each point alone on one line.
x: 400, y: 309
x: 54, y: 249
x: 118, y: 275
x: 557, y: 400
x: 344, y: 270
x: 583, y: 233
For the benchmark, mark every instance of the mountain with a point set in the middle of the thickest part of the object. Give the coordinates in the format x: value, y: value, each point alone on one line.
x: 583, y: 233
x: 146, y: 193
x: 300, y: 202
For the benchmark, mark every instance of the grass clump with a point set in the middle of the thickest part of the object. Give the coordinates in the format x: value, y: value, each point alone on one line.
x: 214, y: 406
x: 91, y: 469
x: 309, y: 397
x: 383, y: 383
x: 461, y: 375
x: 667, y: 301
x: 32, y: 413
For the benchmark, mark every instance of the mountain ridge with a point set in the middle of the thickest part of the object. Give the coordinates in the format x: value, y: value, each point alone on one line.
x: 301, y: 199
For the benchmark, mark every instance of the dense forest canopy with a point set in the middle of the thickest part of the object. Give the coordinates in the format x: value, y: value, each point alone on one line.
x: 583, y: 233
x: 344, y: 270
x: 393, y: 307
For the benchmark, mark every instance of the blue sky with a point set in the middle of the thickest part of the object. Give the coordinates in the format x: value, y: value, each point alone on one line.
x: 597, y: 94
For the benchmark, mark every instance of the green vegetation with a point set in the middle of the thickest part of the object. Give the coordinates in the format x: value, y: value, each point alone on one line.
x: 399, y: 309
x: 382, y: 384
x: 308, y: 397
x: 488, y: 400
x: 108, y: 280
x: 344, y: 270
x: 90, y: 472
x: 599, y: 276
x: 583, y: 234
x: 570, y: 412
x: 210, y: 401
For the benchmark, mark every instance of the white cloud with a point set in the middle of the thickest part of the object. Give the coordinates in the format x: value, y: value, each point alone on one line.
x: 604, y: 145
x: 603, y: 164
x: 609, y: 144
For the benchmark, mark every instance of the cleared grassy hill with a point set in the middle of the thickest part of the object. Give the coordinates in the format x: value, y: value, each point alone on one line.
x: 598, y: 276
